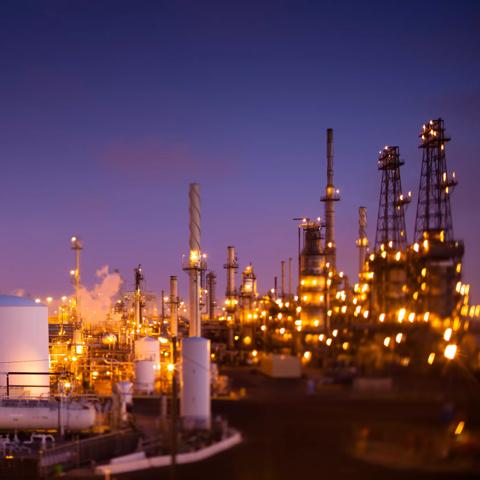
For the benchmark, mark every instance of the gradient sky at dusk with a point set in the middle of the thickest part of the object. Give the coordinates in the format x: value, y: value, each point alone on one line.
x: 108, y: 109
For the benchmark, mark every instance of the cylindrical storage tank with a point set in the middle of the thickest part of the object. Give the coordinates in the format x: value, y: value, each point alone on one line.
x: 195, y: 388
x: 148, y: 348
x: 35, y: 414
x: 144, y: 376
x: 23, y: 346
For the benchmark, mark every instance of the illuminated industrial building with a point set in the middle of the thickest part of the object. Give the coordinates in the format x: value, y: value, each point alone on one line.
x: 112, y: 347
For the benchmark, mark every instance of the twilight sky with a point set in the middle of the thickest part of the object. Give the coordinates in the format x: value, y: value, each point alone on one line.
x: 108, y: 109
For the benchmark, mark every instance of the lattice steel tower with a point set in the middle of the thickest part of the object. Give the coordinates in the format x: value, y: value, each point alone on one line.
x: 391, y: 230
x: 434, y: 216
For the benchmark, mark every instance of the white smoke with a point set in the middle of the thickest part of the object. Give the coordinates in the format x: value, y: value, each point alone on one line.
x: 96, y: 304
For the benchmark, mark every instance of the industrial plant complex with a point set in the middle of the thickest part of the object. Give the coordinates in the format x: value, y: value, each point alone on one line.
x: 112, y: 382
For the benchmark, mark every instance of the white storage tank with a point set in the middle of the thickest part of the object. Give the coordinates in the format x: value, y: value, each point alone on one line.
x: 36, y: 414
x: 148, y: 348
x: 195, y: 387
x: 144, y: 376
x: 23, y: 345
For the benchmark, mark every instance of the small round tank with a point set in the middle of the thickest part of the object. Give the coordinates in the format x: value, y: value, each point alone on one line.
x: 144, y: 376
x: 148, y: 348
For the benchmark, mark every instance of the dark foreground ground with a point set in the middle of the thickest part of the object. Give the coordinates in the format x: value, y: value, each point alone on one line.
x: 291, y: 435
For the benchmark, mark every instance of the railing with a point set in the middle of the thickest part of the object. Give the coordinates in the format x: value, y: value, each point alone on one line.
x: 87, y: 451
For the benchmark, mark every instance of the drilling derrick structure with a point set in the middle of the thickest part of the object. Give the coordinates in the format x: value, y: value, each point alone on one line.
x: 435, y: 256
x: 313, y: 288
x: 388, y: 263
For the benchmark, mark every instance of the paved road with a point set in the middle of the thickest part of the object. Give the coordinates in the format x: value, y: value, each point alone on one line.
x: 292, y: 435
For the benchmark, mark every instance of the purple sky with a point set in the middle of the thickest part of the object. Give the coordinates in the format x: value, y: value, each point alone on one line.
x: 109, y: 109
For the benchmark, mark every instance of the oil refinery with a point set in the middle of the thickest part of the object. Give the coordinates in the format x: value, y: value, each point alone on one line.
x: 125, y: 381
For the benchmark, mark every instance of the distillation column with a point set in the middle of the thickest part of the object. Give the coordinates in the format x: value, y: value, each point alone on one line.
x: 231, y: 266
x: 331, y: 196
x: 211, y: 283
x: 282, y: 284
x: 290, y: 277
x: 173, y: 306
x: 138, y: 317
x: 313, y: 289
x: 362, y: 242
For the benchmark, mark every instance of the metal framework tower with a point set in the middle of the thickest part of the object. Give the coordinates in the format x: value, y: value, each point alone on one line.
x: 434, y: 217
x: 391, y: 230
x: 436, y: 256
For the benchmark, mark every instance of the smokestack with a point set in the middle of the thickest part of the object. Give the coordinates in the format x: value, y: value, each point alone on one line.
x: 211, y: 282
x: 275, y: 287
x: 77, y: 246
x: 282, y: 282
x: 290, y: 277
x: 195, y: 260
x: 362, y: 241
x: 331, y: 196
x: 173, y: 306
x: 330, y: 157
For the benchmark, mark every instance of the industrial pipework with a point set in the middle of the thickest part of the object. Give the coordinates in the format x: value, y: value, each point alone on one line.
x: 331, y: 196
